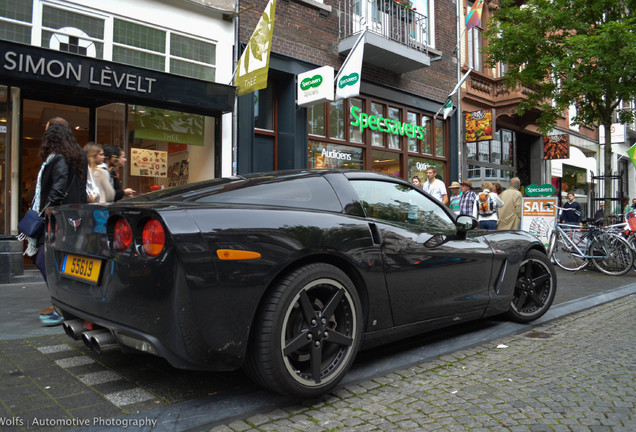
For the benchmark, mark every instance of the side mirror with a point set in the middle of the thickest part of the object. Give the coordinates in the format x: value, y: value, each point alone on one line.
x: 466, y: 223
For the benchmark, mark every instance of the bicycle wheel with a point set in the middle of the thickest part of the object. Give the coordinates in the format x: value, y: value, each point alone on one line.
x: 631, y: 239
x: 564, y: 254
x: 617, y: 256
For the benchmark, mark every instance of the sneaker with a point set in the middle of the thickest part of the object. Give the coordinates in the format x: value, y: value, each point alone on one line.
x: 47, y: 311
x: 53, y: 320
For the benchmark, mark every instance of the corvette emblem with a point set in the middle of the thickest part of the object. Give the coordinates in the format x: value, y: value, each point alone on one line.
x: 75, y: 223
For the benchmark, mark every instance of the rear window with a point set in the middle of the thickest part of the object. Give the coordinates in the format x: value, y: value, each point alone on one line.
x: 304, y: 192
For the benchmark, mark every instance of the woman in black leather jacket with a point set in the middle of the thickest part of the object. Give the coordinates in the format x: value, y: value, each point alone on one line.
x: 62, y: 178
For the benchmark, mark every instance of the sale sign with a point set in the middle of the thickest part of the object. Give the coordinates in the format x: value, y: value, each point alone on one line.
x: 538, y: 219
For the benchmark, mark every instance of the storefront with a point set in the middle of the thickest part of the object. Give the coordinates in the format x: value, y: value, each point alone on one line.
x: 383, y: 129
x: 168, y: 125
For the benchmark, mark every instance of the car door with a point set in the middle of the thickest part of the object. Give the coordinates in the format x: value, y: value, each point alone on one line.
x: 430, y: 272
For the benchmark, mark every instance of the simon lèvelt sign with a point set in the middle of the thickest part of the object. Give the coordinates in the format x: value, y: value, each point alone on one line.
x: 315, y: 86
x: 33, y: 65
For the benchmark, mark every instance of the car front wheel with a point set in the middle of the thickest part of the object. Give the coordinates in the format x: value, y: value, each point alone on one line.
x: 535, y: 288
x: 307, y: 332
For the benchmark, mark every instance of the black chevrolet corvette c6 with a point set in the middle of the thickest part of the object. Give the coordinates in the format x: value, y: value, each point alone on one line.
x: 285, y: 274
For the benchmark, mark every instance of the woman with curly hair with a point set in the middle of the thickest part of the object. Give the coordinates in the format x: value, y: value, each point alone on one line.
x: 61, y: 180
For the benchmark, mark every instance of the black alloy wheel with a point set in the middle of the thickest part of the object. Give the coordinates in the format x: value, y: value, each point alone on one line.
x: 535, y: 288
x: 307, y: 332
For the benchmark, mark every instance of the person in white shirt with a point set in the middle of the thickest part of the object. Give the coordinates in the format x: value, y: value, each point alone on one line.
x: 435, y: 186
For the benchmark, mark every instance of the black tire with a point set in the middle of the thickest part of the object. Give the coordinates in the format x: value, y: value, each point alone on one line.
x: 617, y: 254
x: 534, y: 290
x: 564, y: 255
x: 307, y: 332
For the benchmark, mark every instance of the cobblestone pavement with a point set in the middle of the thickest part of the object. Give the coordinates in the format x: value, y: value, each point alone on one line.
x: 574, y: 374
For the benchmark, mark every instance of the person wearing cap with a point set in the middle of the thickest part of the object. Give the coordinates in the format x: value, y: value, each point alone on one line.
x: 510, y: 212
x: 467, y: 201
x: 456, y: 195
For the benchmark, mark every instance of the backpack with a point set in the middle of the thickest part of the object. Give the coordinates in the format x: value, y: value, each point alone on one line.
x: 485, y: 204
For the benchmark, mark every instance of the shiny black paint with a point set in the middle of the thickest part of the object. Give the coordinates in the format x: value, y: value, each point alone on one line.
x: 198, y: 311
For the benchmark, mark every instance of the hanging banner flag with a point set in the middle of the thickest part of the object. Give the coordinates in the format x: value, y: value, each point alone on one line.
x: 251, y: 72
x: 631, y: 152
x: 473, y: 19
x: 348, y: 79
x: 315, y: 86
x: 448, y: 107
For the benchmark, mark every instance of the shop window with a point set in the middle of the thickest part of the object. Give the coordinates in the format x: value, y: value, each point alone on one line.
x: 15, y: 32
x: 386, y: 162
x: 377, y: 138
x: 5, y: 177
x: 336, y: 120
x: 411, y: 118
x: 394, y: 139
x: 180, y: 67
x: 439, y: 137
x: 316, y: 120
x: 167, y: 148
x: 418, y: 166
x: 264, y: 109
x: 54, y: 18
x: 355, y: 135
x: 427, y: 142
x: 325, y: 155
x: 139, y: 36
x: 138, y: 58
x: 18, y: 10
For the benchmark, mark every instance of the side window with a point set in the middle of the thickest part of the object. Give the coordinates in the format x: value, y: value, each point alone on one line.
x: 398, y: 203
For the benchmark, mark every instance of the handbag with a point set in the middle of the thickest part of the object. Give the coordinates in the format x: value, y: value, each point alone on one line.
x: 32, y: 224
x: 92, y: 190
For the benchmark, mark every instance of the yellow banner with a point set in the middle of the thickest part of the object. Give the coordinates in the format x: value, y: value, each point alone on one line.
x: 251, y: 73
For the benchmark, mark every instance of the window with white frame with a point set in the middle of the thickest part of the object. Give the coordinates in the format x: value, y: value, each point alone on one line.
x: 474, y: 45
x: 84, y: 33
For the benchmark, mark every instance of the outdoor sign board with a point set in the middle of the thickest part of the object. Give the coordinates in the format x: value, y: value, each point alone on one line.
x: 315, y: 86
x: 536, y: 218
x: 478, y: 125
x: 556, y: 147
x: 543, y: 190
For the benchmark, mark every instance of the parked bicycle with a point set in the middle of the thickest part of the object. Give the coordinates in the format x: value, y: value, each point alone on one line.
x: 573, y: 247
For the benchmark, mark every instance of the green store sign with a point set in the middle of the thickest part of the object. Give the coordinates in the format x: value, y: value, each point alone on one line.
x: 308, y: 83
x: 543, y: 190
x: 348, y: 80
x: 386, y: 125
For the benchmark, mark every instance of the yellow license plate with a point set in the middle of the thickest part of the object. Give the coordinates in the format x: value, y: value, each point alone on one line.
x: 83, y: 268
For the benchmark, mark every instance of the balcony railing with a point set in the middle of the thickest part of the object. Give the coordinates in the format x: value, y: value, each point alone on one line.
x: 387, y: 18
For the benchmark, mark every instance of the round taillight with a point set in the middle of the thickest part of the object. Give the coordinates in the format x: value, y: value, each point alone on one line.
x: 122, y: 235
x: 153, y: 237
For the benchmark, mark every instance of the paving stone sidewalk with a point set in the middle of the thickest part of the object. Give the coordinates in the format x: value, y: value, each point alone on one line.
x: 574, y: 374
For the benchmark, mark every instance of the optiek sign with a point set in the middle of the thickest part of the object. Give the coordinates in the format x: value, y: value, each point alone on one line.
x: 315, y: 86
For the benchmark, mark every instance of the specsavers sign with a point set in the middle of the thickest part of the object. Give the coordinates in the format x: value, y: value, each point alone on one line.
x: 378, y: 123
x: 315, y: 86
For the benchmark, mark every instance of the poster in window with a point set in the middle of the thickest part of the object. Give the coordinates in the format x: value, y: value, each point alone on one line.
x: 479, y: 125
x: 148, y: 163
x: 556, y: 147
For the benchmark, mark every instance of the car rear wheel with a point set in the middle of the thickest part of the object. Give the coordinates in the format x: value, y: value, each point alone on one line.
x: 307, y: 332
x: 535, y: 288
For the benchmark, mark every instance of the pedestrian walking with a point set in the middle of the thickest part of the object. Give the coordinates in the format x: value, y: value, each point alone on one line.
x: 510, y: 212
x: 101, y: 177
x: 61, y: 180
x: 456, y: 194
x: 115, y: 158
x: 487, y: 205
x: 467, y: 201
x: 573, y: 216
x: 435, y: 186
